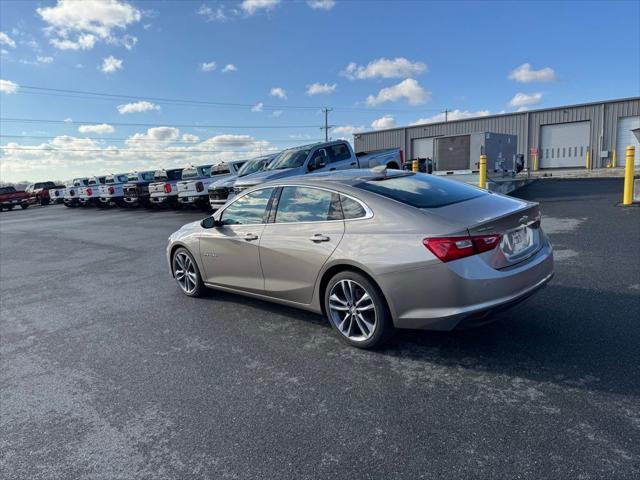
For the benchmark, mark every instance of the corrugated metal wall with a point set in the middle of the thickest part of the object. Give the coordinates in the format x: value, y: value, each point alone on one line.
x: 526, y: 125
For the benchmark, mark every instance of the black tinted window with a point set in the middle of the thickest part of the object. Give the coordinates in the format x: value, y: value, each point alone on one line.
x: 339, y: 152
x: 248, y: 209
x: 422, y: 190
x: 305, y: 204
x: 351, y: 209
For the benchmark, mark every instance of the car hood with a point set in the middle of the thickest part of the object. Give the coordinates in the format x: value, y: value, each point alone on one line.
x: 224, y: 181
x: 266, y: 176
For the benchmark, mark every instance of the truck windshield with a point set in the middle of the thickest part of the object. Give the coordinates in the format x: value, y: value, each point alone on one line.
x: 289, y: 159
x: 252, y: 166
x: 421, y: 190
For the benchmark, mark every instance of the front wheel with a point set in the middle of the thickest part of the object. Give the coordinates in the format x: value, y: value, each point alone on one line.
x: 357, y: 310
x: 186, y: 273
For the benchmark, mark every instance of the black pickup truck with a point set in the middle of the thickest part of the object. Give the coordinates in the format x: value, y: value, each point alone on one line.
x: 136, y: 190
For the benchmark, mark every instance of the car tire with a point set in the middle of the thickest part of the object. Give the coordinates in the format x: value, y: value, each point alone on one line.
x: 24, y: 206
x: 190, y: 284
x: 357, y: 310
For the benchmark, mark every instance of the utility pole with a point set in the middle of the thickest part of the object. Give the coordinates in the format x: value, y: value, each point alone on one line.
x: 326, y: 127
x: 446, y: 115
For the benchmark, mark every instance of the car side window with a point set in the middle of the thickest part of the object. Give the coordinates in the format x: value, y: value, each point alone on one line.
x: 339, y: 152
x: 306, y: 204
x: 351, y: 209
x: 248, y: 209
x: 320, y: 158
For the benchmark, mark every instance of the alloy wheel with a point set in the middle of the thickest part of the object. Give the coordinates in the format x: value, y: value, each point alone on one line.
x: 185, y: 272
x: 352, y: 310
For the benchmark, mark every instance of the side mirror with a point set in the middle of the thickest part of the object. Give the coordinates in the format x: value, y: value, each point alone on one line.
x: 210, y: 222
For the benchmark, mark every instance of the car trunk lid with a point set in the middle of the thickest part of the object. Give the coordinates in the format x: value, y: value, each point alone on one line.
x: 516, y: 221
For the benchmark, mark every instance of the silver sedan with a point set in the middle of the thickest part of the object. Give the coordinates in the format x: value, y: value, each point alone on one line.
x: 371, y: 250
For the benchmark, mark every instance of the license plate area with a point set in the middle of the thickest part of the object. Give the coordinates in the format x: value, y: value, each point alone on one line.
x: 517, y: 242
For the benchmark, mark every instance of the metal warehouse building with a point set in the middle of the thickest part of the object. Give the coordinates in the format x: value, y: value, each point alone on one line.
x: 588, y: 135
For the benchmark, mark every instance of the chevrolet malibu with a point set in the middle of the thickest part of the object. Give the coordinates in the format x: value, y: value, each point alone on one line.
x: 372, y: 250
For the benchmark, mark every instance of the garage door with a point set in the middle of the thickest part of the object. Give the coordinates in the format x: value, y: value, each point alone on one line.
x: 625, y: 137
x: 564, y: 145
x: 422, y: 148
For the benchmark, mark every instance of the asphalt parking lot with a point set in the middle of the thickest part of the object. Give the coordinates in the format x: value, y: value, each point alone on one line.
x: 109, y: 372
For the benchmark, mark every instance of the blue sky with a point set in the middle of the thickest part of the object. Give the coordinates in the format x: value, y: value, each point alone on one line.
x: 376, y: 63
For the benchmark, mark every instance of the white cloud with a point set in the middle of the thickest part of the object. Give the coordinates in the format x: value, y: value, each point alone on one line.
x: 229, y: 67
x: 524, y: 74
x: 257, y: 107
x: 101, y: 129
x: 188, y: 137
x: 111, y: 64
x: 7, y: 86
x: 278, y: 92
x: 156, y: 137
x: 383, y: 122
x: 40, y: 59
x: 524, y: 99
x: 321, y: 88
x: 452, y: 115
x: 321, y: 4
x: 135, y: 107
x: 398, y: 67
x: 408, y: 89
x: 252, y: 6
x: 208, y: 66
x: 346, y: 130
x: 213, y: 15
x: 74, y: 25
x: 276, y: 113
x: 7, y: 40
x: 68, y: 120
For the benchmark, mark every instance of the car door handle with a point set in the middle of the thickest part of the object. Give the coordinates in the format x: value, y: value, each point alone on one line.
x: 353, y: 164
x: 249, y: 237
x: 318, y: 237
x: 332, y: 169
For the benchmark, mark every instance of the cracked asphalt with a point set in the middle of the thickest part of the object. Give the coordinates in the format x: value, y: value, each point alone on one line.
x: 109, y: 372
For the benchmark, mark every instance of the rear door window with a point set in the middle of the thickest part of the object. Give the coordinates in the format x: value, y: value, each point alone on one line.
x: 307, y: 204
x: 422, y: 190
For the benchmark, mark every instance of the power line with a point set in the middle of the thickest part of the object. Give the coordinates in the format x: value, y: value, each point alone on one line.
x: 136, y: 140
x: 126, y: 124
x: 106, y: 150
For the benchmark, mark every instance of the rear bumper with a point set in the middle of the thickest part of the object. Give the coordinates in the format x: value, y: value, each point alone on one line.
x: 193, y: 199
x: 462, y: 292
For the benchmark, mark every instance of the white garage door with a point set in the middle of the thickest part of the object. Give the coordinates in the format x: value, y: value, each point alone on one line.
x: 564, y: 145
x: 625, y: 138
x: 422, y: 148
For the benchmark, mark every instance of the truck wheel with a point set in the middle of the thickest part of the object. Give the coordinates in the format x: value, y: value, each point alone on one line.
x: 44, y: 201
x: 24, y: 206
x: 186, y: 273
x: 9, y: 208
x: 357, y: 310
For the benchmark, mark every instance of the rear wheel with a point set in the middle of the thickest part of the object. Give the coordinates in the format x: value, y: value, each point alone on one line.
x: 24, y: 206
x: 186, y: 273
x: 357, y: 310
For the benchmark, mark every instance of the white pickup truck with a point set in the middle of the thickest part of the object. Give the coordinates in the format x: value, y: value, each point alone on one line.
x: 71, y: 192
x: 164, y: 189
x: 112, y: 193
x: 56, y: 194
x: 193, y: 189
x: 90, y: 194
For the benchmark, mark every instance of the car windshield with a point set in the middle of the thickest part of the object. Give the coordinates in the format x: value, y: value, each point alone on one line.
x: 252, y: 166
x: 289, y: 159
x: 422, y: 190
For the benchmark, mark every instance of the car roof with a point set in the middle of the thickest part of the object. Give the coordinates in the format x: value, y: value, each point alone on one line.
x: 343, y: 177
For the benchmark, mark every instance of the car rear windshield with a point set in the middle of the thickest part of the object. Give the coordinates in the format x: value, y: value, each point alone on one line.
x: 221, y: 169
x: 422, y: 190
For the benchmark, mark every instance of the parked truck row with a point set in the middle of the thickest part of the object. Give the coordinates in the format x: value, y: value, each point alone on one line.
x: 211, y: 186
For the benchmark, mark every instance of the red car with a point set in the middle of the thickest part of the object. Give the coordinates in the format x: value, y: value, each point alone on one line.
x: 10, y: 197
x: 40, y: 191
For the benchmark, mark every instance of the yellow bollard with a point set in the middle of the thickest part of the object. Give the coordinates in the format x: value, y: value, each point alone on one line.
x: 627, y: 197
x: 415, y: 166
x: 482, y: 178
x: 613, y: 162
x: 588, y: 163
x: 535, y: 162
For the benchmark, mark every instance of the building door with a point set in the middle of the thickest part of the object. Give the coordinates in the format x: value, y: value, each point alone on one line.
x: 564, y: 145
x: 422, y: 148
x: 626, y: 138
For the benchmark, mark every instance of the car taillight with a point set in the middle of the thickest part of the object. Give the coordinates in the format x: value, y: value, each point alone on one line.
x: 454, y: 248
x: 89, y: 191
x: 167, y: 188
x: 401, y: 157
x: 111, y: 190
x: 199, y: 186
